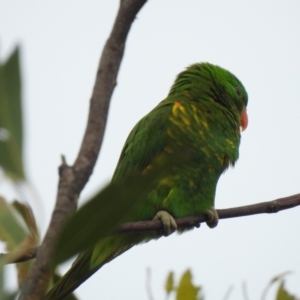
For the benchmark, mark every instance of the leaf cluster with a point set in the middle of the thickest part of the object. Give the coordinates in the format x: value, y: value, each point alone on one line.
x: 187, y: 290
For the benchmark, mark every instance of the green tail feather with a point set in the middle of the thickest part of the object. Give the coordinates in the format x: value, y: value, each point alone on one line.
x: 88, y: 263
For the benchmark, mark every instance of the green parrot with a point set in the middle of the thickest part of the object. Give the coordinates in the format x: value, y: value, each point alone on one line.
x: 202, y: 115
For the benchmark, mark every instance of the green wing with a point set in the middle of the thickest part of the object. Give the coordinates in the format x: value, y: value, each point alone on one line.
x: 145, y: 142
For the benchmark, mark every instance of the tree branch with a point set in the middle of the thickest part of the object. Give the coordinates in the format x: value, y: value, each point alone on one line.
x: 273, y: 206
x: 73, y: 178
x: 19, y: 256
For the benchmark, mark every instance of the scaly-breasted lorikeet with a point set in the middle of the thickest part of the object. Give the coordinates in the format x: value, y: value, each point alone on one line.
x: 203, y: 114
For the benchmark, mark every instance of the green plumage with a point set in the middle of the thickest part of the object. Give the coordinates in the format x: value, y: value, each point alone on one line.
x: 201, y: 117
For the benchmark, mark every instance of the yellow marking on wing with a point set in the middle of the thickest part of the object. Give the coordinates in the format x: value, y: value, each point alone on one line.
x: 205, y: 124
x: 220, y: 158
x: 230, y: 142
x: 194, y: 108
x: 182, y: 109
x: 166, y: 200
x: 166, y: 181
x: 168, y: 149
x: 197, y: 119
x: 186, y: 120
x: 175, y: 108
x: 171, y: 133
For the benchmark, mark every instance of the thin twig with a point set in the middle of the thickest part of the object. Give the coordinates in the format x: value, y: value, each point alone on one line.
x: 73, y: 178
x: 273, y: 206
x: 19, y: 256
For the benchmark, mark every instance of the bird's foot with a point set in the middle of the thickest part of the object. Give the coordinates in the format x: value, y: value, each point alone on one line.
x: 212, y: 217
x: 168, y: 221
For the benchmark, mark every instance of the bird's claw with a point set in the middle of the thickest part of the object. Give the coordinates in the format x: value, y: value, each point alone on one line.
x: 168, y: 221
x: 212, y: 217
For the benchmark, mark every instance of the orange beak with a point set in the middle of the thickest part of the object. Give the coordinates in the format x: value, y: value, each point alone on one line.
x: 244, y: 119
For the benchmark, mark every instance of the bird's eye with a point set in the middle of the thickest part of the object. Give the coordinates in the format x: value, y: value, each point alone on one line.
x: 238, y: 91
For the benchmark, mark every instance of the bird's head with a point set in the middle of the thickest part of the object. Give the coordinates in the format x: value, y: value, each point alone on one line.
x: 207, y: 82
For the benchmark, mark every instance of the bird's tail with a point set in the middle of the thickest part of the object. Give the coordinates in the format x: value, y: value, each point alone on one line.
x: 87, y: 264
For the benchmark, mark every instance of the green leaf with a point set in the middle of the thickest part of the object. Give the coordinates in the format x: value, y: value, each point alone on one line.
x: 170, y: 283
x: 26, y: 213
x: 18, y: 229
x: 282, y: 293
x: 186, y: 289
x: 11, y: 231
x: 100, y: 216
x: 11, y: 134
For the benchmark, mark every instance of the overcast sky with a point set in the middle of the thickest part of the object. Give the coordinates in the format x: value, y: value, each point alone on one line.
x: 258, y: 41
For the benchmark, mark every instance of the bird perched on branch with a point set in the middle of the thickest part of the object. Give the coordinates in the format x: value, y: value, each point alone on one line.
x: 202, y: 116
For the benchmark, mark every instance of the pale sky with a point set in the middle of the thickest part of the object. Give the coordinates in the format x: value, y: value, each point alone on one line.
x: 258, y: 41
